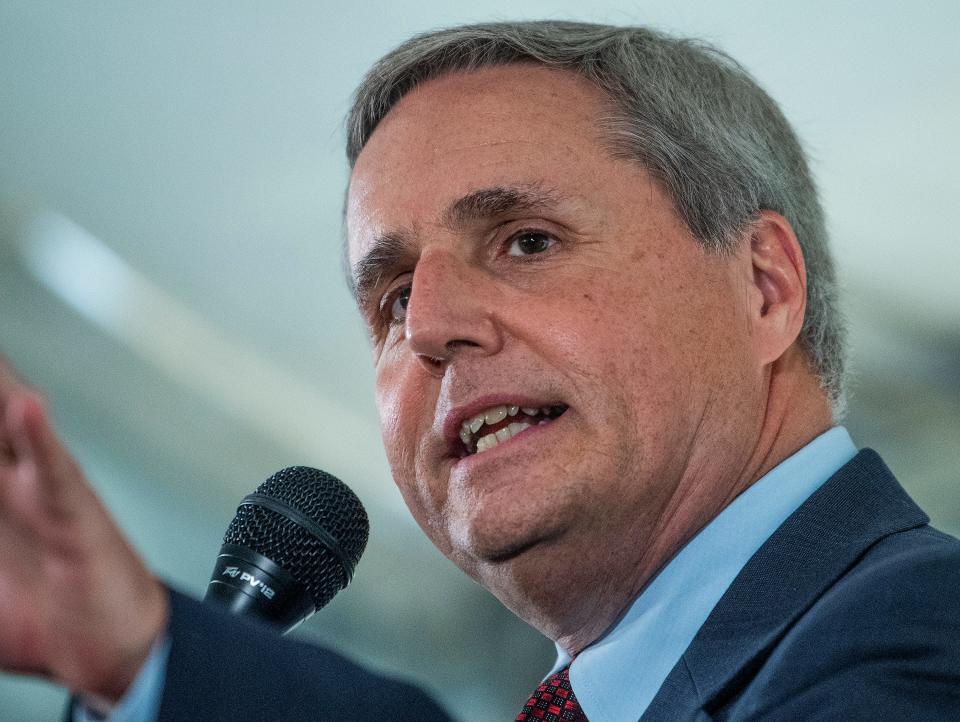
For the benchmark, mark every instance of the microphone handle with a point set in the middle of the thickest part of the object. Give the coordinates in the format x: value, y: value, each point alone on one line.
x: 251, y: 585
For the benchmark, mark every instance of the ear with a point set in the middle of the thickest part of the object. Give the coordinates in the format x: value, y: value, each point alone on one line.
x: 778, y: 292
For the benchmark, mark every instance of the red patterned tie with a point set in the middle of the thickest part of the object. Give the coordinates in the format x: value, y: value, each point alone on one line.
x: 554, y: 701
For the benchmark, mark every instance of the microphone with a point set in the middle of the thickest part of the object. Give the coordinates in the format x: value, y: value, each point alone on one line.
x: 292, y: 545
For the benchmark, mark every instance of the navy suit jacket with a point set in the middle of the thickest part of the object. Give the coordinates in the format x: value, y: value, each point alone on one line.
x: 850, y: 611
x: 223, y: 667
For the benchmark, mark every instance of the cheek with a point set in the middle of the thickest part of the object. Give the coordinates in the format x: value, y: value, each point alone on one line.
x: 406, y: 409
x: 641, y: 345
x: 397, y: 404
x: 609, y: 333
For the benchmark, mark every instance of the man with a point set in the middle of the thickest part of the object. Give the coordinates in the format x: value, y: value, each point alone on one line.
x: 608, y: 360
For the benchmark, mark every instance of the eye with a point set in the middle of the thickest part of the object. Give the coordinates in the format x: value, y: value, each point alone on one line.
x: 528, y: 243
x: 395, y: 304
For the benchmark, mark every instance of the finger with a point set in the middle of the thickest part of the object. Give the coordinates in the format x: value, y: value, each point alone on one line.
x: 19, y: 471
x: 11, y: 424
x: 8, y: 455
x: 14, y: 426
x: 10, y: 385
x: 37, y: 448
x: 9, y: 381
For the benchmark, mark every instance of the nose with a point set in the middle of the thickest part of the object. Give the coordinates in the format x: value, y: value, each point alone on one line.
x: 451, y: 312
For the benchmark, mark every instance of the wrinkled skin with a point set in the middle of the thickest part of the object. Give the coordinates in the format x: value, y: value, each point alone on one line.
x: 514, y: 259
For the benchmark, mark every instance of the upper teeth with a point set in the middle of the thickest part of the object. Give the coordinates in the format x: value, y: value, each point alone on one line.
x: 492, y: 416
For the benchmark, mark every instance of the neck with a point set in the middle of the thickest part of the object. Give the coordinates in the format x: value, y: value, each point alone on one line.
x: 796, y: 411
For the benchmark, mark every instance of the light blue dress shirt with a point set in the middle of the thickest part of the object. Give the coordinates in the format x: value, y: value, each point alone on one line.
x: 618, y: 676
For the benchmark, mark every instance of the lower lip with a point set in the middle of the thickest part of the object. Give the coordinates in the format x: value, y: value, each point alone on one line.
x: 517, y: 442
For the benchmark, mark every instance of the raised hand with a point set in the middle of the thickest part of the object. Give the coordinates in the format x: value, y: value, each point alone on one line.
x: 77, y: 605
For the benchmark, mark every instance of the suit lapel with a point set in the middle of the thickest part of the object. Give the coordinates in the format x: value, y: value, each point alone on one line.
x: 857, y: 506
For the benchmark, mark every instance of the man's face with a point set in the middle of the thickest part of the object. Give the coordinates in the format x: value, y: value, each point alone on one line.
x: 510, y: 263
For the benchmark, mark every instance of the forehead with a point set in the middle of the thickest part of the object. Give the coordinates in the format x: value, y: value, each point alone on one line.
x: 512, y: 125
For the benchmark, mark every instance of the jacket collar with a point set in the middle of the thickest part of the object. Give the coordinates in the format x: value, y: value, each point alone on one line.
x: 857, y: 506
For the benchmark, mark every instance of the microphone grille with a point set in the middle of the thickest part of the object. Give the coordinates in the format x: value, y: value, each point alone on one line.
x: 324, y: 500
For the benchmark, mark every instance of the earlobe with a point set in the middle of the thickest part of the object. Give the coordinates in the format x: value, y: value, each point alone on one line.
x: 780, y: 284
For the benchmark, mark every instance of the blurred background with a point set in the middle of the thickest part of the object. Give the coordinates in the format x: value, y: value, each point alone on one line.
x: 171, y: 179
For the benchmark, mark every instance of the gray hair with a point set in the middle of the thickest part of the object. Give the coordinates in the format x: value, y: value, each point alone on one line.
x: 690, y: 114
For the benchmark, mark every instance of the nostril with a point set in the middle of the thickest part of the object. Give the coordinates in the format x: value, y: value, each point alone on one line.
x: 432, y: 363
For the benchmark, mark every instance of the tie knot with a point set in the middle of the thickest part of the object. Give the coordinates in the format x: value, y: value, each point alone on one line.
x: 553, y: 701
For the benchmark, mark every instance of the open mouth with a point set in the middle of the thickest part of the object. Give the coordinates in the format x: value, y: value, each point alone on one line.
x: 499, y: 423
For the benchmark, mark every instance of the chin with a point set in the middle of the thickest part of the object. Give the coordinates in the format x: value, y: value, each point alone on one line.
x: 502, y: 551
x: 505, y: 539
x: 503, y: 524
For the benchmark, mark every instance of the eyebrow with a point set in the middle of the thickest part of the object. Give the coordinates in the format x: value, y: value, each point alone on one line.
x: 488, y: 203
x: 396, y: 249
x: 390, y: 250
